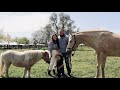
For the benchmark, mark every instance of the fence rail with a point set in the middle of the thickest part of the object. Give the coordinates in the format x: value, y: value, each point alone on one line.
x: 21, y: 46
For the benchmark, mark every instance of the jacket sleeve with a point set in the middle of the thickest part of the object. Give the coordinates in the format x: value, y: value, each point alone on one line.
x: 67, y: 39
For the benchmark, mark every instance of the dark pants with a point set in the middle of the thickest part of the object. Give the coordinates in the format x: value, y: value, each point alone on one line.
x: 67, y: 62
x: 60, y: 72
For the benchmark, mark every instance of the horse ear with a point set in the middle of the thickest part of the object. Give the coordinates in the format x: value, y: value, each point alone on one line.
x: 45, y: 53
x: 73, y: 34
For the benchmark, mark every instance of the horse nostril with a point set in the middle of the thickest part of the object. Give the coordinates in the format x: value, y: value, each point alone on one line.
x: 72, y: 54
x: 68, y: 50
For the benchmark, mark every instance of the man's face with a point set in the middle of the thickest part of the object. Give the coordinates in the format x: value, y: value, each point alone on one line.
x: 61, y: 32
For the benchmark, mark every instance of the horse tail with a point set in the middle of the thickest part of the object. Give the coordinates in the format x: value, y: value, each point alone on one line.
x: 1, y: 65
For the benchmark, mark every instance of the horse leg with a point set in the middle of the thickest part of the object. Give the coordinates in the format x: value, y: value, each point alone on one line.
x: 98, y: 66
x: 7, y: 66
x: 25, y: 71
x: 103, y: 61
x: 28, y: 73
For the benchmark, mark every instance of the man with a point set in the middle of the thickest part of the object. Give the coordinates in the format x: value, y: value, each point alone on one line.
x: 63, y: 41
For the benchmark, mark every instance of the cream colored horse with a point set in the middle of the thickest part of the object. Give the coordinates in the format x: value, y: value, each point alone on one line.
x: 22, y: 59
x: 105, y: 43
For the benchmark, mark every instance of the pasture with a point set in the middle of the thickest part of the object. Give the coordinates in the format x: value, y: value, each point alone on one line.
x: 83, y: 66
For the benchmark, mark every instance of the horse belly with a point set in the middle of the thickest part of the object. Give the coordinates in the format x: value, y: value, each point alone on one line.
x: 18, y: 61
x: 113, y: 53
x: 111, y: 48
x: 19, y: 64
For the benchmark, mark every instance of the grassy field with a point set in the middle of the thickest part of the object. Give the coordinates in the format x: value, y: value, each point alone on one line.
x: 83, y: 66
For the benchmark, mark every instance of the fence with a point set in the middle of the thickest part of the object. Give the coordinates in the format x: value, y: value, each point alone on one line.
x: 22, y: 46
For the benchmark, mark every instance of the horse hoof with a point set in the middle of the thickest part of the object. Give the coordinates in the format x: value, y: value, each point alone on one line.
x: 2, y: 76
x: 95, y: 77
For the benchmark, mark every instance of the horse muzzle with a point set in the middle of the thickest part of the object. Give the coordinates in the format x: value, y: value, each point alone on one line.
x: 69, y: 50
x: 48, y: 62
x: 72, y: 54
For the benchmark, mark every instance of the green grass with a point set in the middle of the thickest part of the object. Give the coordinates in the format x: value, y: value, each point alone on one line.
x: 83, y: 66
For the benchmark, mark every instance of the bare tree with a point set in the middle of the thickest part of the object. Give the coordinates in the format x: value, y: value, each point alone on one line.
x: 54, y: 22
x: 62, y: 21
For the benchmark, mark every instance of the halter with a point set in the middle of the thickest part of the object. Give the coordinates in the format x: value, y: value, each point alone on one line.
x: 73, y: 45
x: 71, y: 49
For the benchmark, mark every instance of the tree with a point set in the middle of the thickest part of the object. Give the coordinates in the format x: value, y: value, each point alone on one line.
x: 48, y: 31
x: 62, y: 21
x: 1, y: 35
x: 8, y: 38
x: 54, y: 21
x: 22, y: 40
x: 38, y: 37
x: 42, y: 36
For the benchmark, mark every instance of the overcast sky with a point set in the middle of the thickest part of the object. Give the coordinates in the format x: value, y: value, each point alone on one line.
x: 24, y: 23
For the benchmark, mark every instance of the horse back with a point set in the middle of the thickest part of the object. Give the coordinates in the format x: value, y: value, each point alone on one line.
x: 109, y: 43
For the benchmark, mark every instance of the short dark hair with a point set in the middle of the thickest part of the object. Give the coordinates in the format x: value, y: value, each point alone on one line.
x: 62, y: 30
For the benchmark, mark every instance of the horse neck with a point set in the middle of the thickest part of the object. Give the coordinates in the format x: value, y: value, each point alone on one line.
x: 87, y: 39
x: 38, y: 56
x: 41, y: 55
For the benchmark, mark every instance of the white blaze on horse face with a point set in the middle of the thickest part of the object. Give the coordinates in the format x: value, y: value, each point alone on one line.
x: 71, y: 41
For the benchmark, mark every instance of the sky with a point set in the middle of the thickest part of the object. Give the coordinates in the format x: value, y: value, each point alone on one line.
x: 20, y: 24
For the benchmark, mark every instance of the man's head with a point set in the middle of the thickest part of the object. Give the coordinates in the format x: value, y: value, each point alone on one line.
x: 62, y: 32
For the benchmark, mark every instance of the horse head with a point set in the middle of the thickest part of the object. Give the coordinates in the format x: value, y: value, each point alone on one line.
x: 72, y: 43
x: 46, y: 56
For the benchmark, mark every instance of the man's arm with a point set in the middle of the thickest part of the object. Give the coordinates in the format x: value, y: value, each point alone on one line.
x: 67, y: 39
